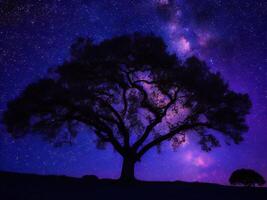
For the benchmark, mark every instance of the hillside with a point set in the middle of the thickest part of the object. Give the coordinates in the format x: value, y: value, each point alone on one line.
x: 34, y: 187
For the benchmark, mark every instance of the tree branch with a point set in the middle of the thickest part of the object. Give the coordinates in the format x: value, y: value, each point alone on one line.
x: 93, y: 119
x: 120, y: 123
x: 125, y: 102
x: 158, y: 119
x: 102, y: 127
x: 169, y: 136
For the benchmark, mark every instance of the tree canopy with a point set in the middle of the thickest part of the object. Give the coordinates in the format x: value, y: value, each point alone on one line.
x: 132, y: 93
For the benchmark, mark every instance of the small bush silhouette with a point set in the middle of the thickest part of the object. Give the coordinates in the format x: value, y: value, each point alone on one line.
x: 246, y: 177
x: 90, y: 178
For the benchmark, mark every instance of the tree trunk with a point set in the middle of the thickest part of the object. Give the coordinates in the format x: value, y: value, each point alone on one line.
x: 127, y: 171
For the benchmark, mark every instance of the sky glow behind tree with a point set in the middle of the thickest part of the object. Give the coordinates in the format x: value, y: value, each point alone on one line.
x: 230, y: 36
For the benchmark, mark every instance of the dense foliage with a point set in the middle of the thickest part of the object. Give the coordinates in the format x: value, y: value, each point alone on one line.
x: 132, y: 93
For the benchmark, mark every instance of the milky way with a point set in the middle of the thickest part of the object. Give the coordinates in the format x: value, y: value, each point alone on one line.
x: 231, y: 36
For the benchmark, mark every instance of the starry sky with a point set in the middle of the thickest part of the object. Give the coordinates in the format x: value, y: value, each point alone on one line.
x: 231, y: 36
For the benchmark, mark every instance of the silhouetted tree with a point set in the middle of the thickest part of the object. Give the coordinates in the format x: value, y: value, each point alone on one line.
x: 247, y: 177
x: 132, y: 94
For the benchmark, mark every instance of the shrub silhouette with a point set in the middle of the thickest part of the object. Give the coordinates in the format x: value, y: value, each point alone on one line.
x: 89, y: 178
x: 246, y: 177
x: 130, y: 92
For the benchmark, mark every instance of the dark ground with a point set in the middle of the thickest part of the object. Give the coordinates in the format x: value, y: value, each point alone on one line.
x: 35, y: 187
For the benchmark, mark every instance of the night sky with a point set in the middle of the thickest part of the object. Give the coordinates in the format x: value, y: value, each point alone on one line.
x: 230, y: 35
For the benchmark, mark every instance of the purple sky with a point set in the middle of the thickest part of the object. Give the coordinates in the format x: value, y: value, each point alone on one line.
x: 231, y: 36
